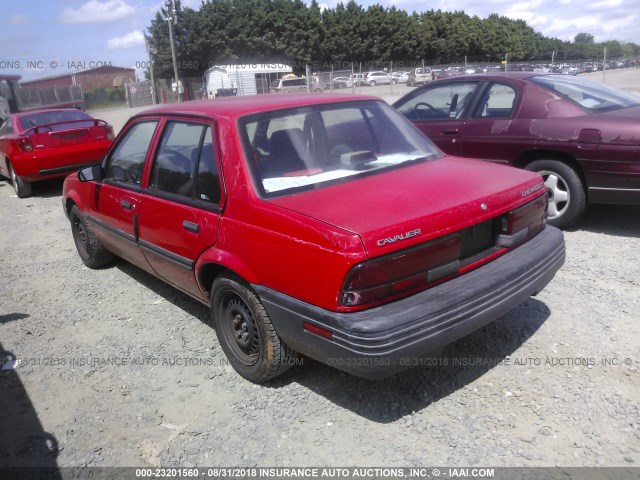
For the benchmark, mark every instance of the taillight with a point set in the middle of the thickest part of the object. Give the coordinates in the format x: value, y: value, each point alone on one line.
x: 524, y: 222
x: 374, y: 281
x: 24, y: 144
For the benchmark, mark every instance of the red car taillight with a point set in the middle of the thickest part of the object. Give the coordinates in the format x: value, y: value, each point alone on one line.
x: 408, y: 271
x: 374, y: 281
x: 523, y: 223
x: 24, y: 144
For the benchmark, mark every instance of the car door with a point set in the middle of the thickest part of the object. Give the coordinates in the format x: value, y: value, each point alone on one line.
x: 114, y: 210
x: 438, y: 111
x: 492, y: 131
x: 181, y: 205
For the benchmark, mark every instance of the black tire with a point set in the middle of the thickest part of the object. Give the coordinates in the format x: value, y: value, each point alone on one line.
x: 567, y: 196
x: 394, y: 82
x: 372, y: 83
x: 91, y: 251
x: 22, y: 187
x: 245, y: 332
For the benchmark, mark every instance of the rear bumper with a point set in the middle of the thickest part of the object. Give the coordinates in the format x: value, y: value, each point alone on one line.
x: 58, y: 162
x: 382, y: 341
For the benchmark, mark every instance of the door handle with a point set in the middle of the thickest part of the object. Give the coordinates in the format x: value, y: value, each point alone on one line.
x: 126, y: 205
x: 191, y: 227
x: 450, y: 132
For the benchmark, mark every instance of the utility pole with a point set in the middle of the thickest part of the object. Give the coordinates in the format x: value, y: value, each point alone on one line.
x: 171, y: 18
x: 153, y: 80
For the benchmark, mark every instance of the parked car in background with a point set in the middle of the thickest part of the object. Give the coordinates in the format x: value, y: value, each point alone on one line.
x: 42, y: 144
x: 240, y: 203
x: 358, y: 79
x: 343, y: 82
x: 294, y: 85
x: 582, y: 136
x: 400, y: 77
x: 419, y: 76
x: 378, y: 78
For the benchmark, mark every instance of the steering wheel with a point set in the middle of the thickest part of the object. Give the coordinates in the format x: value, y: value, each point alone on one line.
x: 425, y: 104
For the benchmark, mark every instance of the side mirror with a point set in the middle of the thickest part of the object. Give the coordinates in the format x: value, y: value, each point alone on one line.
x: 89, y: 174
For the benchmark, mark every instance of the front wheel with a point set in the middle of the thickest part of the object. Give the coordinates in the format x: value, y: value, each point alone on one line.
x: 245, y: 332
x: 567, y: 197
x: 91, y: 251
x: 394, y: 81
x: 22, y: 187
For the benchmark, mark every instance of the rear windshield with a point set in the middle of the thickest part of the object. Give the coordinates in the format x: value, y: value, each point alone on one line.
x: 47, y: 118
x: 592, y: 96
x: 311, y: 147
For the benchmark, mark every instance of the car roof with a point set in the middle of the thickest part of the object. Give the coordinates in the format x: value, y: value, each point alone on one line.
x: 234, y: 107
x: 491, y: 76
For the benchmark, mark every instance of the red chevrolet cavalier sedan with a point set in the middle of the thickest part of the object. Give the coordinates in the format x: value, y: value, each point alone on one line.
x: 327, y: 226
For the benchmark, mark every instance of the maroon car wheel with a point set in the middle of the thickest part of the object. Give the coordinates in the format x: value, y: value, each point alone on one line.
x: 567, y: 199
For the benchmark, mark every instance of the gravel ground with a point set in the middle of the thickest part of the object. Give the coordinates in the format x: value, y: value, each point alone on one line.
x: 119, y: 369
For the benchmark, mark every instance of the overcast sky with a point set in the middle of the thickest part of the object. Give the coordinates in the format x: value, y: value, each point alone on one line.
x: 43, y: 38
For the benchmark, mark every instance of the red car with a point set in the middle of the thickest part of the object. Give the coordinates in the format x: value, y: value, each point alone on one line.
x: 322, y: 225
x: 583, y: 137
x: 45, y: 144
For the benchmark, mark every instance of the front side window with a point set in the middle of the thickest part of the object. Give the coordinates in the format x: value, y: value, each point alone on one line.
x: 438, y: 102
x: 126, y: 163
x: 309, y: 147
x: 591, y: 96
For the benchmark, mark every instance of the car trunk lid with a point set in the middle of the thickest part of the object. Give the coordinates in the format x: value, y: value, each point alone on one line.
x: 413, y: 204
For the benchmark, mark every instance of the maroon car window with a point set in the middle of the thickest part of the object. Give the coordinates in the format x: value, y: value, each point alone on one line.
x: 308, y: 147
x: 591, y: 96
x: 497, y: 101
x: 126, y: 163
x: 438, y: 102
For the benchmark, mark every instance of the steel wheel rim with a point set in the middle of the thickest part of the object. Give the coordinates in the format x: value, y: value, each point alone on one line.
x: 558, y: 193
x: 240, y: 328
x: 81, y: 236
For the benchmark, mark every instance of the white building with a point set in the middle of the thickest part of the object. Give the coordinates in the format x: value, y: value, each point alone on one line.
x: 249, y: 79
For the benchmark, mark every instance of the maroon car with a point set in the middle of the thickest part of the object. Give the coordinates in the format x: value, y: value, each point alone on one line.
x: 44, y: 144
x: 582, y: 136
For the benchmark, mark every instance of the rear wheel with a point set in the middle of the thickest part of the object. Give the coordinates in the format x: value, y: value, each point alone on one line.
x: 91, y: 251
x: 567, y: 197
x: 22, y: 187
x: 394, y: 81
x: 245, y: 332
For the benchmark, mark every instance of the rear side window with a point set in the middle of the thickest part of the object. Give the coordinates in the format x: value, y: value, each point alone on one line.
x: 185, y: 164
x: 497, y: 101
x: 126, y: 163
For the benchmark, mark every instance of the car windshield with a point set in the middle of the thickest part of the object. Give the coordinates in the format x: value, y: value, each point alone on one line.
x: 311, y: 147
x: 56, y: 116
x: 592, y: 96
